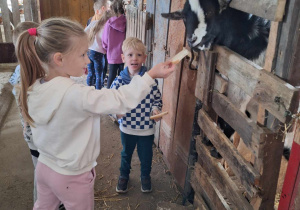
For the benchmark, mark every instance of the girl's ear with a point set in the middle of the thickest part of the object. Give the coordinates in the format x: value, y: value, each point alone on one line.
x: 57, y: 59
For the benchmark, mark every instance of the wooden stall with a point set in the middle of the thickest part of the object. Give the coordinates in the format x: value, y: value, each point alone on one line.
x: 273, y: 99
x: 13, y: 12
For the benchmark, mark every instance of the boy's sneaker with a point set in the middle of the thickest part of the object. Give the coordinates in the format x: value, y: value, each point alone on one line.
x: 146, y: 185
x: 122, y: 186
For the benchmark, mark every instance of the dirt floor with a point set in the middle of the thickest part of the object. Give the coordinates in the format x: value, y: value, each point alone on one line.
x: 16, y: 174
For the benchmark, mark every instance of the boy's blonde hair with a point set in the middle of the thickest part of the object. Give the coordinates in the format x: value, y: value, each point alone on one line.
x: 133, y: 43
x: 35, y: 51
x: 99, y: 4
x: 21, y: 27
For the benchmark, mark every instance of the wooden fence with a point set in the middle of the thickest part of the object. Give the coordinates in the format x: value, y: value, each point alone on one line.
x: 254, y: 180
x: 27, y: 11
x: 139, y: 25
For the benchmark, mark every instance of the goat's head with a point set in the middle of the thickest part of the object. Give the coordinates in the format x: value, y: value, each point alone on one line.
x: 198, y: 16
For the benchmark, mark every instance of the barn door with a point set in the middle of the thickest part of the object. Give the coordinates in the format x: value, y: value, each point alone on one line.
x: 160, y: 41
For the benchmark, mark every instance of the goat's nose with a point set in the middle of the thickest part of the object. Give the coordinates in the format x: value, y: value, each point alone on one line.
x: 191, y: 40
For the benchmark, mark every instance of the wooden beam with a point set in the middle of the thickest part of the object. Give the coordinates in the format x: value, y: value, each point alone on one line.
x: 247, y: 129
x: 6, y: 21
x: 269, y: 165
x: 289, y: 36
x: 16, y: 12
x: 200, y: 178
x: 220, y: 84
x: 205, y: 77
x: 27, y: 10
x: 247, y: 175
x: 214, y: 169
x: 261, y: 85
x: 35, y: 11
x: 268, y: 9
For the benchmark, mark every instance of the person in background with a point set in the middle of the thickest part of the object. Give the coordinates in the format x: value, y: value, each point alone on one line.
x: 113, y: 36
x: 98, y: 10
x: 137, y: 129
x: 15, y: 82
x: 97, y: 54
x: 65, y: 116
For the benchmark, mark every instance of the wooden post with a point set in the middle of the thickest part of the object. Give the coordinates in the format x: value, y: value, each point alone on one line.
x: 15, y: 11
x: 6, y: 21
x: 27, y: 10
x: 35, y: 11
x: 290, y: 192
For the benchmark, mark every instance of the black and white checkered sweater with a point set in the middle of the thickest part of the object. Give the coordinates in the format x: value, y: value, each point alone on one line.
x: 139, y: 118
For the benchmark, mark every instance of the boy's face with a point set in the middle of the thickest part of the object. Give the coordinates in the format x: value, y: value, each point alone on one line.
x: 134, y: 60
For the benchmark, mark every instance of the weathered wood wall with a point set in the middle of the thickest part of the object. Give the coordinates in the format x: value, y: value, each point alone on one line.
x: 77, y: 10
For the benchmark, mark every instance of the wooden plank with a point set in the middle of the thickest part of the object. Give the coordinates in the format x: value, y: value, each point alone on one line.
x: 6, y: 21
x: 1, y: 39
x: 84, y: 12
x: 288, y: 40
x: 270, y: 156
x: 220, y: 84
x: 199, y: 203
x: 290, y: 187
x: 200, y: 179
x: 268, y: 9
x: 247, y: 129
x: 27, y: 10
x: 16, y: 12
x: 205, y: 77
x: 8, y: 67
x: 214, y: 169
x: 34, y: 11
x: 247, y: 175
x: 263, y: 86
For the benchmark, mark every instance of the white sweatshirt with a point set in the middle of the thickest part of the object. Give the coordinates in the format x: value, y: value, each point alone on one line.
x: 97, y: 44
x: 67, y: 119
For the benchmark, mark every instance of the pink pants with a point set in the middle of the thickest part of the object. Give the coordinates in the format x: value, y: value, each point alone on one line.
x: 74, y: 191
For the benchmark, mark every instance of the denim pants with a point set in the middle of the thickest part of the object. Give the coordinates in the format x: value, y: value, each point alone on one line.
x: 114, y: 70
x: 96, y: 69
x: 145, y: 153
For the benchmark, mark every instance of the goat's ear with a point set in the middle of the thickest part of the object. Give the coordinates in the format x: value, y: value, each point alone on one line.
x: 223, y: 4
x: 173, y: 15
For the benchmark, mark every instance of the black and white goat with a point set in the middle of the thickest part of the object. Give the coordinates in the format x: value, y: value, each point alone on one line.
x: 210, y: 22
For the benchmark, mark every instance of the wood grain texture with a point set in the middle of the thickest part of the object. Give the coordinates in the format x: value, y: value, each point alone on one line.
x: 214, y: 169
x: 247, y: 175
x: 259, y: 84
x: 268, y: 9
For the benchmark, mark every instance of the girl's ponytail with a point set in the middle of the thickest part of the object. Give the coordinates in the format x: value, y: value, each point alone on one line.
x: 98, y: 26
x: 34, y: 52
x: 31, y: 69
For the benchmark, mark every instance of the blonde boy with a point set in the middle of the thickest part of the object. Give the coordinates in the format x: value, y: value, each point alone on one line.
x: 136, y: 127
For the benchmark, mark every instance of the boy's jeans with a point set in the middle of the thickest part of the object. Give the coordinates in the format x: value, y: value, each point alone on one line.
x: 145, y: 153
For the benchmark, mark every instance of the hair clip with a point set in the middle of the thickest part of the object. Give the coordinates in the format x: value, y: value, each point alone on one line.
x: 32, y: 32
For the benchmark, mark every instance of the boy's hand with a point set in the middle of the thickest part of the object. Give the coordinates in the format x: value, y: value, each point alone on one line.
x: 155, y: 112
x: 162, y: 70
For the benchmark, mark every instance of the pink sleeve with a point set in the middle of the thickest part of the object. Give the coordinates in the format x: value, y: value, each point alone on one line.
x: 105, y: 36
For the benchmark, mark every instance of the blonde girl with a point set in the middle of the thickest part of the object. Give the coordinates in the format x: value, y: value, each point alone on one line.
x: 64, y: 116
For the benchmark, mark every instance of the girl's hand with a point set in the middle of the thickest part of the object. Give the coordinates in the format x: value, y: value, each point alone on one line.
x: 162, y: 70
x: 155, y: 112
x: 119, y: 116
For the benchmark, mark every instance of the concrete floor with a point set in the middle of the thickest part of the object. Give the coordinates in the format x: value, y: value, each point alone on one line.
x: 16, y: 174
